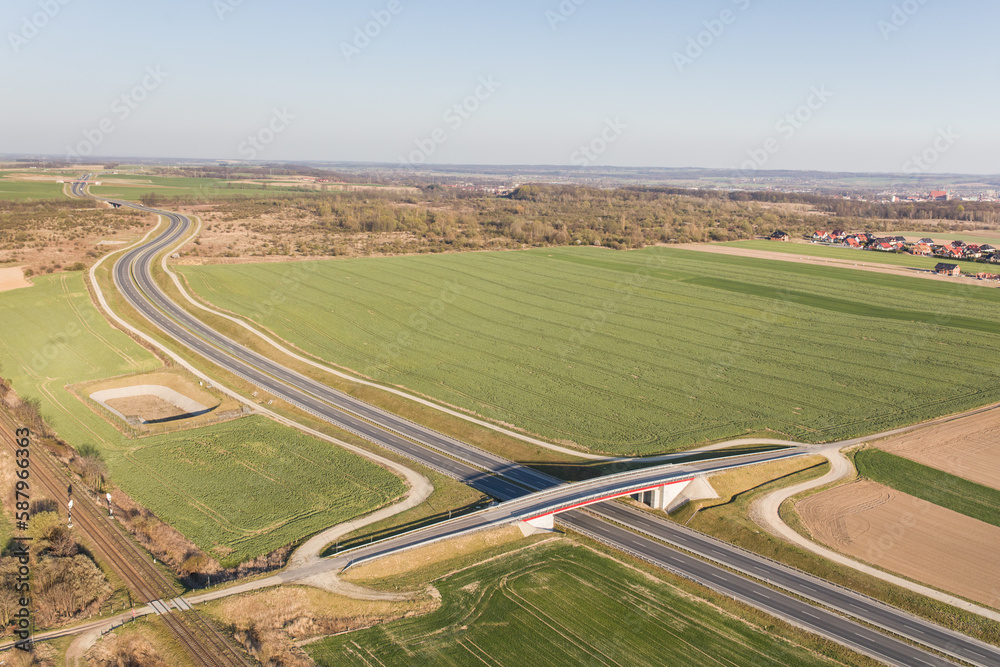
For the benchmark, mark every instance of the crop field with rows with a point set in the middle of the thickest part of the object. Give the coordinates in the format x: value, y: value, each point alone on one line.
x: 637, y: 352
x: 566, y: 606
x: 248, y: 487
x: 237, y: 489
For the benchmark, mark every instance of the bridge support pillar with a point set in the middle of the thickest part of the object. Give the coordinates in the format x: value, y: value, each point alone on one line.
x: 547, y: 522
x: 662, y: 497
x: 541, y: 524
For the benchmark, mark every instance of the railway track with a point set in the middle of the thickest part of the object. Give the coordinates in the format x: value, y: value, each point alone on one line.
x: 203, y: 642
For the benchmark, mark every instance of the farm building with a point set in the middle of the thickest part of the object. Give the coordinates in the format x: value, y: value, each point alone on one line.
x: 948, y: 269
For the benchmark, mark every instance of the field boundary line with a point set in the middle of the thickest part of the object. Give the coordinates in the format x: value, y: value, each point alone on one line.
x: 420, y: 487
x: 391, y: 390
x: 725, y: 592
x: 765, y: 513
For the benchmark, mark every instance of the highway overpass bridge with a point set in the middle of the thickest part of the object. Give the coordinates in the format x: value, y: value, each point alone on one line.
x: 659, y: 486
x: 639, y: 533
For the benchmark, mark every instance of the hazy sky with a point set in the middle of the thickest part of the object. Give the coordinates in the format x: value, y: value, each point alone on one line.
x: 666, y: 83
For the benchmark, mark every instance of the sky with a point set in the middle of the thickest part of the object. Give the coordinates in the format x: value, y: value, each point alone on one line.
x: 854, y: 85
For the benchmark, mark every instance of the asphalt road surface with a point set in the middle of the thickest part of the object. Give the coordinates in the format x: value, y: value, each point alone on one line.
x: 505, y: 480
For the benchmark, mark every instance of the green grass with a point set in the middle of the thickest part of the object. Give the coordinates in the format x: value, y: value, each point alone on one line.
x: 637, y: 352
x: 848, y: 254
x: 930, y: 484
x: 238, y: 489
x: 730, y: 520
x: 20, y: 190
x: 562, y: 605
x: 176, y: 186
x: 253, y: 486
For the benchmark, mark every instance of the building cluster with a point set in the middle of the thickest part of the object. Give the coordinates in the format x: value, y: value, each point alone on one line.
x: 888, y: 197
x: 926, y: 247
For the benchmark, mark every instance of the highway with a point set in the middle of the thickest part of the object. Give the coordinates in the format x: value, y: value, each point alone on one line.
x: 506, y: 480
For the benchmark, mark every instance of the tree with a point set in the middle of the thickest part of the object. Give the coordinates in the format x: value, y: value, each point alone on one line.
x: 92, y: 467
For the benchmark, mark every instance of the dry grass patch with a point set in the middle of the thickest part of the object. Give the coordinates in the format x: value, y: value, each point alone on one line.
x: 146, y: 643
x: 222, y: 407
x: 272, y: 624
x: 732, y: 483
x: 408, y: 562
x: 175, y: 379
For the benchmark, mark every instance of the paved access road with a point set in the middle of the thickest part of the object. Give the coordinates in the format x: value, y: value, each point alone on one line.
x: 505, y: 479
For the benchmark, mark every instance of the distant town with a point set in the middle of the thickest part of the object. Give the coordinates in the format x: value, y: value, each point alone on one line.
x: 925, y: 247
x: 933, y: 195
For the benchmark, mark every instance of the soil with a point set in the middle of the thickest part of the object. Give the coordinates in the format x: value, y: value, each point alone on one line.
x: 968, y: 447
x: 12, y: 278
x: 909, y: 536
x: 145, y: 407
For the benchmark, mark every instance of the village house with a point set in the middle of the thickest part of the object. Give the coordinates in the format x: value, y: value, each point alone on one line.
x: 948, y: 269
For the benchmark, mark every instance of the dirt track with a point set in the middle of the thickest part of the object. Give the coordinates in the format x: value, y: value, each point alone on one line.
x: 860, y: 264
x: 968, y: 447
x: 910, y: 536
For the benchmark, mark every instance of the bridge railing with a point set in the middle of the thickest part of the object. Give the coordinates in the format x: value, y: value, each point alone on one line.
x: 556, y: 508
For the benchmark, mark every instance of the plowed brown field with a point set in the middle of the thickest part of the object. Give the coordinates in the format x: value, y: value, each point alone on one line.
x: 908, y: 536
x: 967, y: 447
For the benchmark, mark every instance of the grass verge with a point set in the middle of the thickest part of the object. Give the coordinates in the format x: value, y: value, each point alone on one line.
x: 930, y: 484
x: 567, y: 601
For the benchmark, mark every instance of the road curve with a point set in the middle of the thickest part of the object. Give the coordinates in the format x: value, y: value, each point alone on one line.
x: 505, y: 479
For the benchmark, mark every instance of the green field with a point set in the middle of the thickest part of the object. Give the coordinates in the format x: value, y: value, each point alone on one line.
x: 930, y: 484
x: 637, y: 352
x: 176, y: 186
x: 253, y: 486
x: 238, y: 489
x: 20, y: 190
x: 854, y: 255
x: 562, y: 605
